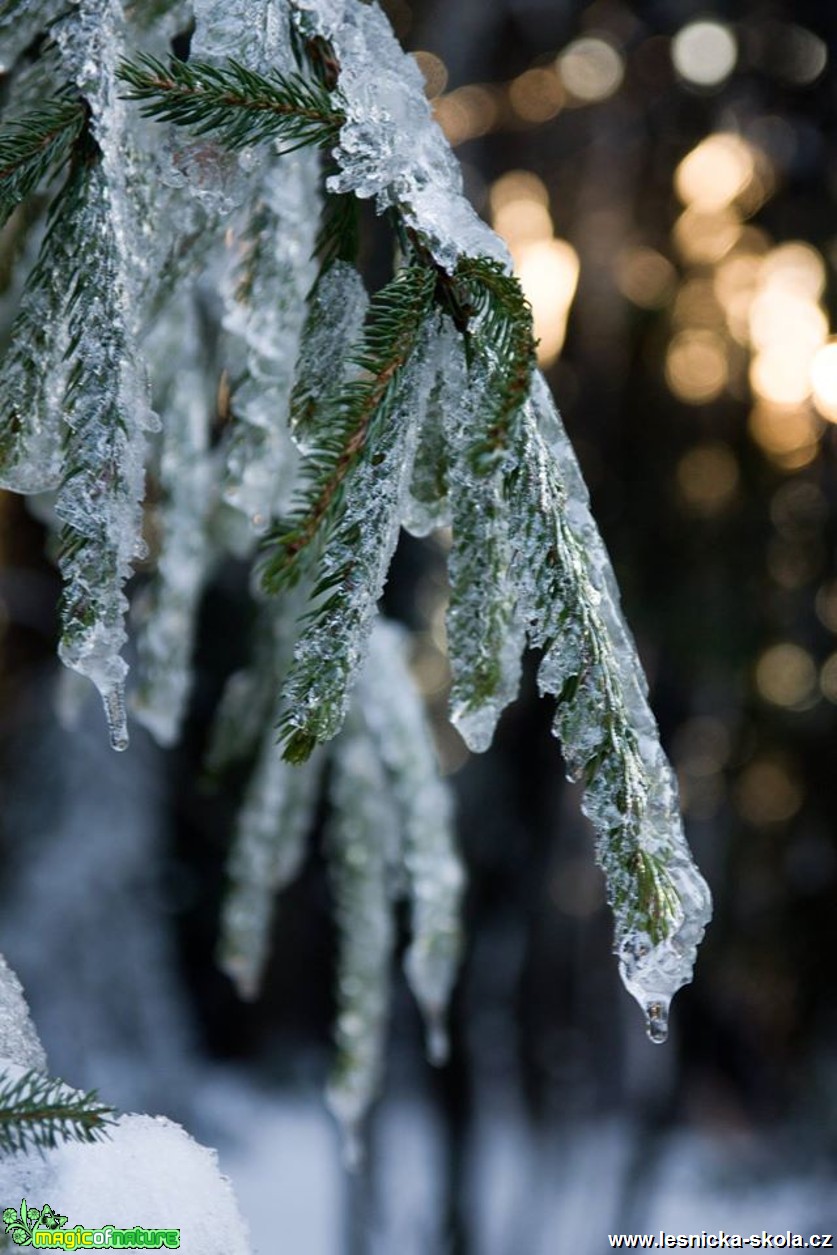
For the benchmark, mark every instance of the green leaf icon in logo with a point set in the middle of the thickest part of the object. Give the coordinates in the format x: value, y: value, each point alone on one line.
x: 51, y: 1219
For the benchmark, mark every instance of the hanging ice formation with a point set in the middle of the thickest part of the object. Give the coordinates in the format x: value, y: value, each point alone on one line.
x: 307, y: 422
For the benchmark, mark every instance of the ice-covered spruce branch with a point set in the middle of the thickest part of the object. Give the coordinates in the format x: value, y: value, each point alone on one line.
x: 389, y: 149
x: 38, y: 1111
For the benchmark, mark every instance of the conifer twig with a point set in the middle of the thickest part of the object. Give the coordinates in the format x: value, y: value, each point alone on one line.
x: 33, y: 145
x: 39, y: 1111
x: 237, y: 105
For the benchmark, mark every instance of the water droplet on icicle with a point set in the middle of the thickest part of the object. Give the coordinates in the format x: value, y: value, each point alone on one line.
x: 114, y: 700
x: 656, y: 1022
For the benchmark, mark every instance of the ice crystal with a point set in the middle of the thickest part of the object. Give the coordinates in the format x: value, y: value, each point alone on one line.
x: 33, y: 372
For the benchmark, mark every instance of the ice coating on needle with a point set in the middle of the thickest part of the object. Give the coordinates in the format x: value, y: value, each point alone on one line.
x: 435, y: 878
x: 661, y: 904
x: 19, y: 1042
x: 265, y: 312
x: 485, y: 634
x: 427, y: 506
x: 354, y: 565
x: 390, y: 146
x: 336, y: 310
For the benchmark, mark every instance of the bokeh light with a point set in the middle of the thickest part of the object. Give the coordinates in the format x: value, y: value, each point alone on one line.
x: 768, y: 791
x: 696, y: 366
x: 789, y: 437
x: 826, y: 605
x: 591, y: 68
x: 548, y: 273
x: 702, y: 237
x: 466, y: 113
x: 704, y: 53
x: 707, y: 478
x: 828, y: 678
x: 716, y: 172
x: 645, y: 277
x: 824, y: 379
x: 786, y: 675
x: 517, y: 185
x: 434, y: 72
x: 537, y: 95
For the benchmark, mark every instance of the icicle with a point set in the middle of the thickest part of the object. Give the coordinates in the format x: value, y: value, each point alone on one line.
x: 266, y: 311
x: 353, y: 567
x: 106, y: 403
x: 166, y: 637
x: 240, y: 717
x: 336, y: 310
x: 279, y: 804
x: 275, y: 818
x: 390, y: 146
x: 359, y: 834
x: 485, y: 637
x: 392, y: 710
x: 568, y: 596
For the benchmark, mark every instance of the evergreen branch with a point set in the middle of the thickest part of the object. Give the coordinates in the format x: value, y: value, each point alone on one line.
x: 39, y: 1111
x: 500, y: 342
x: 237, y: 105
x: 396, y: 317
x: 32, y: 146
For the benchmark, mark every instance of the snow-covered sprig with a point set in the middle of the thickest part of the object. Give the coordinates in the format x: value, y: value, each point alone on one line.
x: 38, y: 1111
